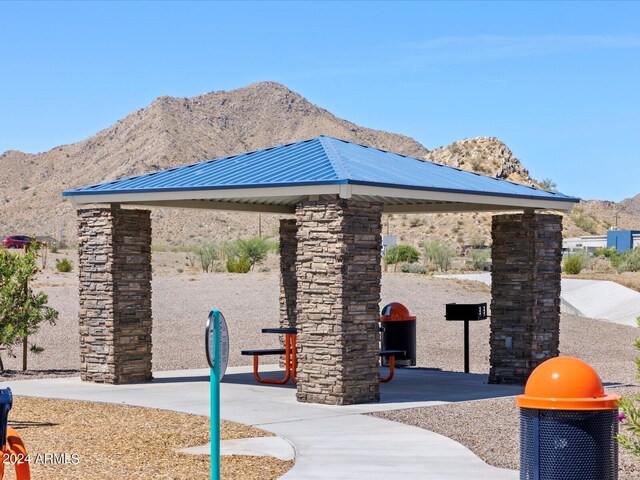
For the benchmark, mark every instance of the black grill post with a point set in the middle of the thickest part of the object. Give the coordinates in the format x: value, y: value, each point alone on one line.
x: 466, y: 312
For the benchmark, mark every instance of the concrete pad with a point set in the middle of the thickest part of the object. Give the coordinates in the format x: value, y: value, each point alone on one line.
x: 598, y: 299
x: 336, y: 442
x: 276, y: 447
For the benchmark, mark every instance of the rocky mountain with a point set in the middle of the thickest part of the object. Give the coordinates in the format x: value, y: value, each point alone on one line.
x: 178, y: 131
x: 632, y: 205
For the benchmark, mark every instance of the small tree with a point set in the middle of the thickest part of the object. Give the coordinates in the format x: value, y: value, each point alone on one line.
x: 22, y: 311
x: 629, y: 416
x: 480, y: 258
x: 253, y: 249
x: 439, y: 253
x: 208, y: 254
x: 549, y: 185
x: 401, y: 253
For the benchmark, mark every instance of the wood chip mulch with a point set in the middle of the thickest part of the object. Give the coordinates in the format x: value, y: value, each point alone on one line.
x: 119, y: 442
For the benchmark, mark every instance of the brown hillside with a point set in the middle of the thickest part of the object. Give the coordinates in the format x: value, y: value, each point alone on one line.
x: 178, y: 131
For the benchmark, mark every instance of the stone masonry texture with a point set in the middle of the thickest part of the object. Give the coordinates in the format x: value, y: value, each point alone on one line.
x: 338, y: 296
x: 525, y: 304
x: 114, y: 248
x: 288, y: 280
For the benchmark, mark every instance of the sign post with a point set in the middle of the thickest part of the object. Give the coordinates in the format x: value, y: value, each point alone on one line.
x: 217, y: 349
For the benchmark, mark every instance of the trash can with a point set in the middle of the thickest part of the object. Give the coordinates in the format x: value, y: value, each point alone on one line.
x: 568, y: 425
x: 399, y: 333
x: 6, y: 402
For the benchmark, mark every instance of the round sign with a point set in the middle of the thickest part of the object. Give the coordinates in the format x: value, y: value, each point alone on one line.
x: 223, y: 343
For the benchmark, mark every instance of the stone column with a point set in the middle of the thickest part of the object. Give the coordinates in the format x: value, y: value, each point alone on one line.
x: 288, y: 280
x: 338, y: 270
x: 114, y: 256
x: 525, y: 291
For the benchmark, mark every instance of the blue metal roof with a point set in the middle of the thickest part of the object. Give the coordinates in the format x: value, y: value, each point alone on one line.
x: 319, y: 161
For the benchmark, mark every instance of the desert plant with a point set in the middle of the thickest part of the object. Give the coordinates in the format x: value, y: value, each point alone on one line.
x: 253, y: 249
x: 191, y: 255
x: 573, y: 264
x: 64, y: 265
x: 22, y: 311
x: 439, y: 253
x: 207, y: 254
x: 588, y: 223
x: 44, y: 256
x: 629, y: 416
x: 549, y: 185
x: 402, y: 252
x: 238, y: 265
x: 628, y: 261
x: 53, y: 248
x: 416, y: 222
x: 480, y: 258
x: 605, y: 252
x: 413, y: 268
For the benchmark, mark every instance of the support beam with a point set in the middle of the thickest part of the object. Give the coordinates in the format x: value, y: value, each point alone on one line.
x: 114, y: 256
x: 338, y: 296
x: 525, y: 291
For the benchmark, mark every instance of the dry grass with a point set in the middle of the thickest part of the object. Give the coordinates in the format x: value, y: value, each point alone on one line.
x: 628, y: 279
x: 117, y: 442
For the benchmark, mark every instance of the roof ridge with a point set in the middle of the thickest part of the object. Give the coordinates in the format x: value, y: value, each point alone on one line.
x: 334, y: 156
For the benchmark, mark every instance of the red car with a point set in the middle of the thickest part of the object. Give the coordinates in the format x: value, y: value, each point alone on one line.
x: 17, y: 241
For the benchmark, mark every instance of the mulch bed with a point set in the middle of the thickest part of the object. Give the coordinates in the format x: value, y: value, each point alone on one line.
x: 118, y: 442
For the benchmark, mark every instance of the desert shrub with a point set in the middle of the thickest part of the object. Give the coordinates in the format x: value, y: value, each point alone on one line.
x: 588, y: 223
x: 22, y: 311
x: 255, y: 250
x: 400, y: 253
x: 605, y: 252
x: 416, y: 222
x: 53, y: 248
x: 628, y: 261
x: 549, y: 185
x: 64, y: 265
x: 439, y: 253
x: 412, y: 268
x: 44, y: 256
x: 629, y: 416
x: 207, y: 254
x: 572, y: 264
x: 238, y: 265
x: 480, y: 258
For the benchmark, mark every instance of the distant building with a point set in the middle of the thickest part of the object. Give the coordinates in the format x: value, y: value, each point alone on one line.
x: 621, y: 240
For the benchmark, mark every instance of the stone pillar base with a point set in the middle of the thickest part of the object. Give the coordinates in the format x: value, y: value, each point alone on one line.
x: 114, y: 256
x: 525, y: 291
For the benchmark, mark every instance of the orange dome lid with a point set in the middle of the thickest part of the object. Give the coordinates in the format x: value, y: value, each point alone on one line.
x: 565, y: 383
x: 396, y: 312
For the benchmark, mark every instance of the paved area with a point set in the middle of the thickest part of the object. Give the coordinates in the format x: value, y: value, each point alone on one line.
x: 330, y: 441
x: 276, y: 447
x: 588, y: 298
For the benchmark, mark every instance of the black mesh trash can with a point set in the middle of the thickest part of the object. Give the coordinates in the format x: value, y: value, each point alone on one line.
x: 399, y: 333
x: 6, y: 402
x: 568, y: 424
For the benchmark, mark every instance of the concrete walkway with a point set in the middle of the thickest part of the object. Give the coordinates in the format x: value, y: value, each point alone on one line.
x: 330, y: 441
x: 588, y: 298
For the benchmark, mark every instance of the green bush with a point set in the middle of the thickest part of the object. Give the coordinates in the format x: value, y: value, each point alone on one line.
x: 207, y: 255
x: 605, y: 252
x: 53, y: 248
x: 480, y: 258
x: 573, y: 264
x: 400, y: 253
x: 629, y: 416
x: 439, y: 253
x: 238, y: 265
x: 64, y: 265
x: 413, y: 268
x: 628, y: 261
x: 588, y: 223
x: 253, y: 249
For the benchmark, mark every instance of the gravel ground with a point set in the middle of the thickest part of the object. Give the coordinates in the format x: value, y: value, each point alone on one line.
x: 117, y: 442
x: 250, y: 302
x: 490, y: 428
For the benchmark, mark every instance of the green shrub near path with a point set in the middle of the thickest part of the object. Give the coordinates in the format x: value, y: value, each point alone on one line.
x: 64, y: 265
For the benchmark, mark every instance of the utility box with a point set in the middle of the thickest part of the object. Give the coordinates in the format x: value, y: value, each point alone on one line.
x: 568, y: 425
x: 399, y: 333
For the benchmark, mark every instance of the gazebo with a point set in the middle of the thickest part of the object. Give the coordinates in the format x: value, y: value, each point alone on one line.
x: 337, y: 192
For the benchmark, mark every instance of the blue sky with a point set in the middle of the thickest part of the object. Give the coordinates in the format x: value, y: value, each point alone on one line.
x: 558, y: 82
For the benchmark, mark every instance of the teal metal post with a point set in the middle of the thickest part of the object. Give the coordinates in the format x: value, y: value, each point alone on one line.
x: 215, y: 399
